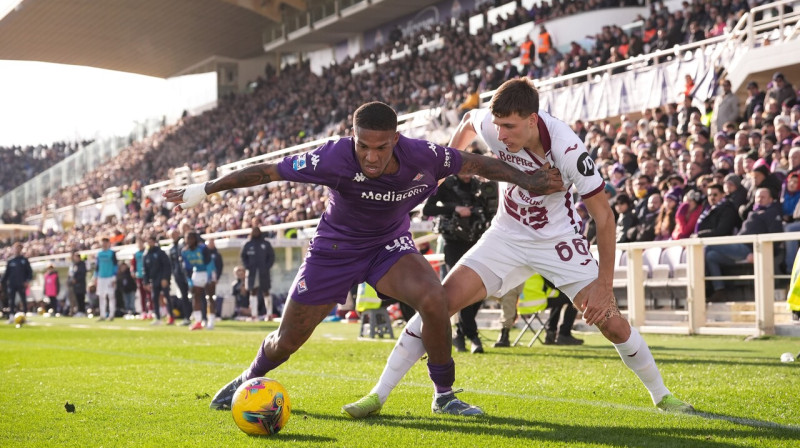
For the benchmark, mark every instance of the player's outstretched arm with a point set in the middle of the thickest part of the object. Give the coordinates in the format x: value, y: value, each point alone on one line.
x: 464, y: 134
x: 545, y: 180
x: 250, y: 176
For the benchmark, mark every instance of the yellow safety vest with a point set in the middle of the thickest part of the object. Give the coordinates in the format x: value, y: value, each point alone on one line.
x: 534, y: 295
x: 367, y: 298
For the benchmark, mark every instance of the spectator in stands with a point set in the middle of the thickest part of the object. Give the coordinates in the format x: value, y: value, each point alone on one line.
x: 665, y: 221
x: 754, y: 98
x: 726, y: 107
x: 781, y: 90
x: 642, y: 189
x: 645, y: 229
x: 685, y: 114
x: 687, y: 214
x: 626, y: 220
x: 720, y: 218
x: 791, y: 217
x: 761, y: 178
x: 765, y: 218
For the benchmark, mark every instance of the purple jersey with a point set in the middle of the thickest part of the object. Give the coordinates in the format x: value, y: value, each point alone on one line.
x: 365, y: 212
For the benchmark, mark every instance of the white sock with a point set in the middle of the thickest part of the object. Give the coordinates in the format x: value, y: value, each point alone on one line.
x: 211, y: 319
x: 112, y: 307
x: 406, y: 352
x: 253, y: 306
x: 196, y: 316
x: 636, y: 355
x: 268, y: 304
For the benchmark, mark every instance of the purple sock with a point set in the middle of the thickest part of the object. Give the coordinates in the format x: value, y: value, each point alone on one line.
x: 261, y: 365
x: 443, y: 376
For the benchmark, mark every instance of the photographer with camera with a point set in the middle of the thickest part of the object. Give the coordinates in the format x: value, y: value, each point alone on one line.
x: 463, y: 206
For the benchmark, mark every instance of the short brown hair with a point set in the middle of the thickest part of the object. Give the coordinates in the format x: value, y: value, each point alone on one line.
x: 515, y: 96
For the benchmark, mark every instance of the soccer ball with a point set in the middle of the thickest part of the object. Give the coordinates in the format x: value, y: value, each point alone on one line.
x: 261, y: 407
x: 19, y: 318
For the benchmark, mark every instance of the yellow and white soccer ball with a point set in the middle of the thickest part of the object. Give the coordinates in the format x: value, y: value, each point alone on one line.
x: 261, y: 407
x: 19, y: 318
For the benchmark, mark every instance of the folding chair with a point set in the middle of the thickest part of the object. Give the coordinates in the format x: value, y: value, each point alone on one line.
x: 374, y: 320
x: 532, y: 302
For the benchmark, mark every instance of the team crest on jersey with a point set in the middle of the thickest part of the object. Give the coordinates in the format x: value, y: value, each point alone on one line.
x: 586, y: 165
x: 301, y: 285
x: 419, y: 176
x: 360, y: 177
x: 299, y: 163
x: 315, y: 160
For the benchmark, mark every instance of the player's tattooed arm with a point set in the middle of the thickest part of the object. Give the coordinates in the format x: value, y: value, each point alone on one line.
x: 250, y: 176
x: 545, y: 180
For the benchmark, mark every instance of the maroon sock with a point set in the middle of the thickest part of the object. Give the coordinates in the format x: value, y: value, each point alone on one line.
x: 443, y: 376
x: 261, y: 365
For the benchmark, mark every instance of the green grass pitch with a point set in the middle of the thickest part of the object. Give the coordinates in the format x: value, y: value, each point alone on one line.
x: 137, y: 385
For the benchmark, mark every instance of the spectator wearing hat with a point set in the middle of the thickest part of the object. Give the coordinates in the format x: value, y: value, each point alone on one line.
x: 720, y: 218
x: 626, y: 220
x: 687, y: 214
x: 754, y: 98
x: 734, y: 192
x: 762, y: 178
x: 781, y: 89
x: 765, y: 218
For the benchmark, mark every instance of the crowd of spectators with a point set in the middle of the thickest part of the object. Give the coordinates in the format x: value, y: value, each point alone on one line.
x: 20, y: 163
x: 671, y: 177
x: 291, y: 105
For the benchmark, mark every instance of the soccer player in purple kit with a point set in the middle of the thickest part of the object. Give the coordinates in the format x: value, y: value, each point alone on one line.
x: 375, y: 179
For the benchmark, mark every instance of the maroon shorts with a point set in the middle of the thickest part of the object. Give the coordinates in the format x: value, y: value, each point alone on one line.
x: 327, y: 275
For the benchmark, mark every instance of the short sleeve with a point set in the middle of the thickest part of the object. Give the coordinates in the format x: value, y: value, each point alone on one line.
x: 578, y: 167
x: 321, y: 166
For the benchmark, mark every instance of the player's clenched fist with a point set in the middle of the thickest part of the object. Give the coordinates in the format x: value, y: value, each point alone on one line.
x: 546, y: 180
x: 188, y: 197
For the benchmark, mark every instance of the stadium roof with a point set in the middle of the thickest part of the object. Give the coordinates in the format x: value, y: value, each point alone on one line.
x: 164, y: 38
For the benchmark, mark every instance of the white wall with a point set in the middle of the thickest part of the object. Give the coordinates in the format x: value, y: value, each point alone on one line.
x: 250, y: 69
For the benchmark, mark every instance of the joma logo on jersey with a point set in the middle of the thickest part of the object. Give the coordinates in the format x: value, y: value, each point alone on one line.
x: 393, y: 196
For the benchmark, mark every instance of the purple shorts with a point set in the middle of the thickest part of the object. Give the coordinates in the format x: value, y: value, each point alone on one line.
x: 327, y: 275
